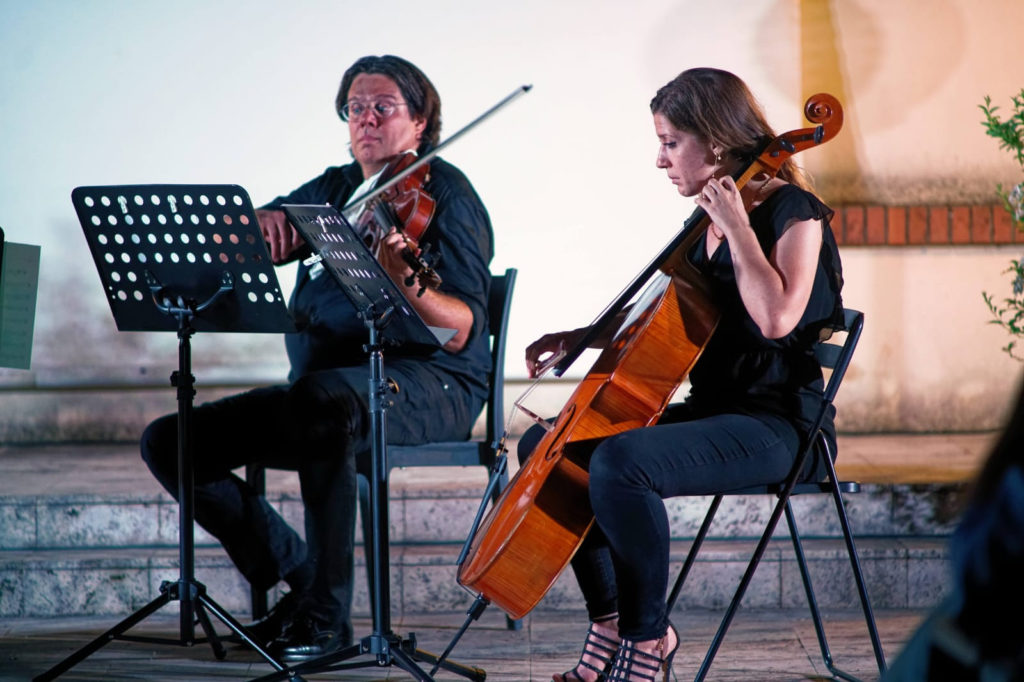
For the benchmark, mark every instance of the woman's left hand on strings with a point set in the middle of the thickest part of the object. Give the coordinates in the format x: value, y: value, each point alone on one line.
x: 721, y: 200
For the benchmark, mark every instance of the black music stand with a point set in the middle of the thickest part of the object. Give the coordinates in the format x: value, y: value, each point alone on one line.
x: 389, y: 320
x: 185, y: 258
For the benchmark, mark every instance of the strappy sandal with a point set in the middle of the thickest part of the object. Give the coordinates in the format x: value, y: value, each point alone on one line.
x: 599, y: 649
x: 633, y: 665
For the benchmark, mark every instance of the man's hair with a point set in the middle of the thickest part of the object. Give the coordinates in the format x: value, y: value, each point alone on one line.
x: 417, y: 91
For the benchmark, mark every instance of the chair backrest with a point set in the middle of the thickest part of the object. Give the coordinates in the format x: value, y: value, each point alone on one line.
x: 498, y: 306
x: 834, y: 356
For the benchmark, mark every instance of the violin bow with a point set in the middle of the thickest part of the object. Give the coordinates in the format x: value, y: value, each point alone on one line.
x: 397, y: 177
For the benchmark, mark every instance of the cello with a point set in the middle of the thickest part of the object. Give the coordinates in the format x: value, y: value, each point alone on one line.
x: 533, y: 530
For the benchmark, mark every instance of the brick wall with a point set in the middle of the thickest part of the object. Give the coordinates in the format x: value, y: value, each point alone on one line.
x: 868, y: 225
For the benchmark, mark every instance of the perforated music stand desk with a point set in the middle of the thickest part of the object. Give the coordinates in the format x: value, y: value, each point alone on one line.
x: 338, y: 248
x: 181, y: 258
x: 390, y: 320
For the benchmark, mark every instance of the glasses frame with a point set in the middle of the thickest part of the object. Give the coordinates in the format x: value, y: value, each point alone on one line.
x: 389, y: 109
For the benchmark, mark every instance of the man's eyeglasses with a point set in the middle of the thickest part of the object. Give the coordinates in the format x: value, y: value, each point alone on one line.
x: 383, y: 109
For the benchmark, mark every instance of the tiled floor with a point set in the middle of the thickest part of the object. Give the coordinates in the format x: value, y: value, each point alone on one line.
x: 761, y: 646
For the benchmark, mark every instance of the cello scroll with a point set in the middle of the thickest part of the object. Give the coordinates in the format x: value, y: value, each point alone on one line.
x: 822, y: 109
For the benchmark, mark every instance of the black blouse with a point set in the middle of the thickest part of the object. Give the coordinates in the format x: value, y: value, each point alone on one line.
x: 741, y: 370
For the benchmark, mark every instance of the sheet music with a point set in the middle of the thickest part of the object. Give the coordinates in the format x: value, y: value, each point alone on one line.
x: 19, y: 282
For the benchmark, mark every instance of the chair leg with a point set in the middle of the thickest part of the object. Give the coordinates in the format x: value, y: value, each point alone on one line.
x: 805, y: 575
x: 367, y: 524
x: 692, y: 555
x: 748, y: 575
x: 812, y: 601
x: 858, y: 573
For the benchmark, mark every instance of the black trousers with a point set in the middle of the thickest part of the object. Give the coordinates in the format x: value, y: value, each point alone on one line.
x: 319, y: 426
x: 622, y: 565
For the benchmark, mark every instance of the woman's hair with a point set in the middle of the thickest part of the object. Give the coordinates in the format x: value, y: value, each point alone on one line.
x: 417, y: 91
x: 718, y: 107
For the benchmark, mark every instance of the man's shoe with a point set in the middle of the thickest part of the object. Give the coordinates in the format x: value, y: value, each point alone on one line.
x: 265, y: 630
x: 307, y: 639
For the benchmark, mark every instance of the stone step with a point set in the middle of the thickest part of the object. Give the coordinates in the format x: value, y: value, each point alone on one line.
x: 420, y: 516
x: 102, y: 496
x: 901, y: 573
x: 435, y: 505
x: 85, y: 530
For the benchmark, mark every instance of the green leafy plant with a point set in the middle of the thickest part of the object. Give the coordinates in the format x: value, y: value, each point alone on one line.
x: 1009, y: 312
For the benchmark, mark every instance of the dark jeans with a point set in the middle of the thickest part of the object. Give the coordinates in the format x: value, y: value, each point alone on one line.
x: 622, y: 564
x: 319, y: 426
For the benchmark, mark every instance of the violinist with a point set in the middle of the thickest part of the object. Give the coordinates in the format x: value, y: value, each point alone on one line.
x: 774, y: 273
x: 318, y: 423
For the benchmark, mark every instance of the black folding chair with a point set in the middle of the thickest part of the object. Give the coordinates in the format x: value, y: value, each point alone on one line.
x: 473, y: 452
x: 836, y: 357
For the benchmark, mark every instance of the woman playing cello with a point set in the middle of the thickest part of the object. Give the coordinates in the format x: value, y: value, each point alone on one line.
x: 774, y: 274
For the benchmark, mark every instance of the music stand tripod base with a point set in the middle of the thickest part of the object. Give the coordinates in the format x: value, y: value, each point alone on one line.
x: 389, y: 318
x: 185, y: 258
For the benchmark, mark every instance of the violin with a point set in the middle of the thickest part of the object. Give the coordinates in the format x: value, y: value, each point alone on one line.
x: 407, y: 207
x: 408, y: 200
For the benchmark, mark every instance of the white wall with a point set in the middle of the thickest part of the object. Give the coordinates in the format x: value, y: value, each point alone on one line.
x: 111, y: 92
